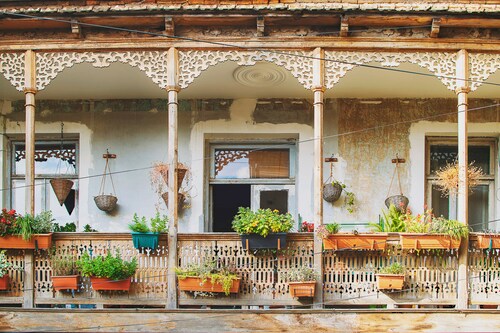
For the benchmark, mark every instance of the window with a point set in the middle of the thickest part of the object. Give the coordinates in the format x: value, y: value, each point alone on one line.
x: 51, y: 159
x: 441, y: 151
x: 255, y: 176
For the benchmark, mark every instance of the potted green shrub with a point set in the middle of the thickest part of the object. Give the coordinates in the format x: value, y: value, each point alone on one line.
x: 65, y: 274
x: 147, y: 236
x: 334, y: 240
x: 25, y: 231
x: 426, y: 231
x: 207, y: 276
x: 263, y: 229
x: 301, y: 281
x: 391, y: 277
x: 107, y: 272
x: 5, y: 267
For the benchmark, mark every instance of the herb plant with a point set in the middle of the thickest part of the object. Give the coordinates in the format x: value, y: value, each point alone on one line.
x: 109, y: 266
x: 6, y: 265
x: 261, y: 222
x: 300, y: 274
x: 209, y: 270
x: 394, y: 268
x: 158, y: 224
x: 328, y: 229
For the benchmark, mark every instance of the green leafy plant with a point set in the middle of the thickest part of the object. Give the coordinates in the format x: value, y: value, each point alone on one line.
x: 108, y: 266
x: 350, y: 201
x: 6, y: 265
x: 63, y: 262
x: 428, y: 223
x: 300, y: 274
x: 27, y: 225
x: 394, y: 268
x: 158, y: 224
x: 392, y: 221
x: 68, y: 227
x: 88, y: 228
x: 328, y: 229
x: 261, y: 222
x: 209, y: 270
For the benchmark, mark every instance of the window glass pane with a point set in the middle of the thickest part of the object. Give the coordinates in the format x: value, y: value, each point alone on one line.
x: 478, y: 208
x: 49, y: 159
x: 440, y: 204
x: 248, y: 163
x: 274, y: 200
x: 19, y: 192
x: 440, y: 155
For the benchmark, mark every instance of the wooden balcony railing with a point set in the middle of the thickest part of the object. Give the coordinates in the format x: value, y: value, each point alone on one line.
x: 349, y: 276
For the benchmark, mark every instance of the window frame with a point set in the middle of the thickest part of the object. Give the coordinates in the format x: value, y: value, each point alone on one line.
x: 488, y: 179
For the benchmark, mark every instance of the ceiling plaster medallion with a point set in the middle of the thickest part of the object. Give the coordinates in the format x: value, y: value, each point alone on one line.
x: 259, y: 75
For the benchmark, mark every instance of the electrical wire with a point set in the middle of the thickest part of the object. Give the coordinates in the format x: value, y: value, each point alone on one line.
x: 190, y: 39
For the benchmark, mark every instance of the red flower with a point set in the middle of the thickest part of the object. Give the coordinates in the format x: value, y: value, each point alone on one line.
x: 12, y: 212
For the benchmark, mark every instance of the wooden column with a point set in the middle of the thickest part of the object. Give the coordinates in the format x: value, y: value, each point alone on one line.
x: 173, y: 89
x: 319, y: 90
x: 462, y: 89
x: 29, y: 92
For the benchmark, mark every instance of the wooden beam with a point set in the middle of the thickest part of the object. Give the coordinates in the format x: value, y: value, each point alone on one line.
x: 344, y: 26
x: 296, y: 321
x: 462, y: 90
x: 169, y: 26
x: 436, y: 24
x: 319, y: 91
x: 261, y: 27
x: 172, y: 89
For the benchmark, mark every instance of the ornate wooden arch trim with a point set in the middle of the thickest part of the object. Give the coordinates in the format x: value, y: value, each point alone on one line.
x: 12, y: 68
x: 441, y: 64
x: 193, y: 63
x: 152, y: 63
x: 481, y: 66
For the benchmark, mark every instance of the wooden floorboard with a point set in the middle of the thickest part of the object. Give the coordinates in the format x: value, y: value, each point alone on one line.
x: 185, y: 320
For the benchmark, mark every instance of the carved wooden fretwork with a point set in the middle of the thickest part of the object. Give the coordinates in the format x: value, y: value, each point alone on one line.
x: 66, y: 154
x: 193, y: 63
x: 152, y: 63
x: 441, y: 64
x: 12, y: 68
x: 224, y: 157
x: 481, y: 66
x: 484, y: 276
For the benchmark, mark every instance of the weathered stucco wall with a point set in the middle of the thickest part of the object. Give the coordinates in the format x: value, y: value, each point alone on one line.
x: 364, y: 135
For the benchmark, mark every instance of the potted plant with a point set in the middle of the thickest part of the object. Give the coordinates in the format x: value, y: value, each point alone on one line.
x: 25, y: 232
x: 207, y: 276
x: 426, y: 231
x: 333, y: 240
x: 64, y: 271
x: 332, y: 192
x: 145, y: 236
x: 301, y: 281
x: 107, y: 272
x: 391, y: 277
x: 159, y: 181
x: 5, y: 266
x: 263, y: 229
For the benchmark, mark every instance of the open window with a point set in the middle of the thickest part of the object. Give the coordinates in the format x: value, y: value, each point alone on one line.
x: 246, y: 175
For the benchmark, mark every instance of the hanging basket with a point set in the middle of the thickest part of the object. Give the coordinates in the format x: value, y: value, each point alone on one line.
x: 106, y: 203
x: 61, y: 187
x: 180, y: 198
x: 399, y: 201
x: 332, y: 192
x: 181, y: 173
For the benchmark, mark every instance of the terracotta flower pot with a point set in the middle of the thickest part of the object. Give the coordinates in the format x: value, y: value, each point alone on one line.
x: 65, y: 282
x: 302, y: 289
x: 108, y: 284
x: 40, y: 241
x: 390, y: 281
x: 488, y: 241
x: 194, y: 283
x: 428, y: 241
x: 4, y: 282
x: 344, y: 241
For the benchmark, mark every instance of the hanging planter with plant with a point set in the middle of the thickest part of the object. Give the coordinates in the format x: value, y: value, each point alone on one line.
x: 61, y: 186
x: 106, y: 202
x: 447, y: 178
x: 399, y: 200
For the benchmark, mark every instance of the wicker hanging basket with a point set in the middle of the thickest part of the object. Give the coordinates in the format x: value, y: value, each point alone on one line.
x: 399, y: 201
x: 180, y: 199
x: 181, y: 173
x: 61, y: 187
x: 332, y: 192
x: 105, y: 202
